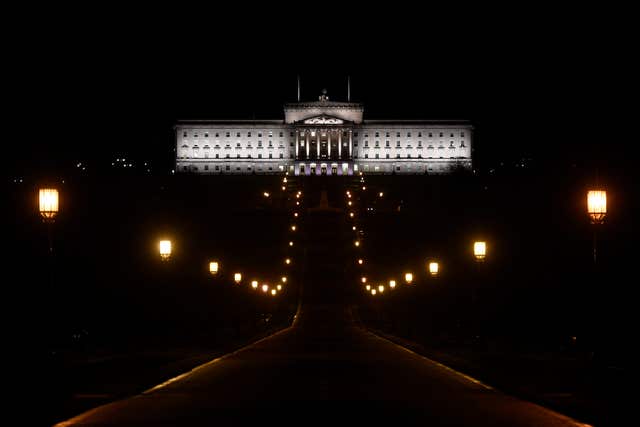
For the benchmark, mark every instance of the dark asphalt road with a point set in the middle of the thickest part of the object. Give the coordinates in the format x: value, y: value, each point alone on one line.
x: 325, y: 369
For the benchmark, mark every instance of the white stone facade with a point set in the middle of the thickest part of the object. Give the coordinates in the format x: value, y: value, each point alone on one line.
x: 323, y: 138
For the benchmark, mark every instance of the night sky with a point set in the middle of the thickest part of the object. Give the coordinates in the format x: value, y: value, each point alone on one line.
x: 543, y: 86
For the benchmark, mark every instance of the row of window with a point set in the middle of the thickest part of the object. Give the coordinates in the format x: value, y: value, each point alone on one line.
x: 388, y: 134
x: 248, y: 156
x: 238, y: 134
x: 281, y: 134
x: 366, y: 156
x: 388, y: 145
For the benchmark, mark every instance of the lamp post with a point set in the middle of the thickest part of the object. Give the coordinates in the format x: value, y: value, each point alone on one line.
x: 597, y: 210
x: 49, y: 205
x: 213, y: 267
x: 434, y: 268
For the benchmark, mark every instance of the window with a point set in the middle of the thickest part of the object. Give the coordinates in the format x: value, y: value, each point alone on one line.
x: 291, y: 144
x: 195, y: 136
x: 259, y: 155
x: 217, y: 156
x: 259, y: 144
x: 377, y: 144
x: 206, y: 167
x: 270, y: 134
x: 217, y: 135
x: 217, y: 168
x: 397, y: 144
x: 248, y: 134
x: 377, y: 156
x: 228, y: 156
x: 206, y: 134
x: 419, y: 144
x: 408, y: 155
x: 462, y: 145
x: 237, y: 156
x: 290, y: 133
x: 238, y: 145
x: 282, y: 155
x: 355, y: 134
x: 462, y: 134
x: 397, y: 156
x: 228, y: 134
x: 270, y: 156
x: 281, y: 134
x: 430, y: 135
x: 366, y: 135
x: 441, y: 134
x: 397, y: 134
x: 408, y: 134
x: 366, y: 144
x: 259, y: 134
x: 366, y: 156
x: 377, y: 134
x: 419, y: 134
x: 387, y: 135
x: 184, y: 168
x: 451, y: 136
x: 227, y: 168
x: 184, y: 134
x: 270, y: 144
x: 387, y: 155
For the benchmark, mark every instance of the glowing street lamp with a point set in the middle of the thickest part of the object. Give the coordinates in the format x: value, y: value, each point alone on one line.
x: 380, y: 194
x: 480, y: 250
x: 49, y: 204
x: 254, y: 284
x: 290, y: 243
x: 293, y: 228
x: 597, y: 210
x: 373, y: 292
x: 273, y: 292
x: 434, y: 268
x: 381, y: 288
x: 392, y: 284
x: 295, y: 214
x: 287, y: 261
x: 351, y: 214
x: 363, y: 279
x: 265, y: 194
x: 368, y: 287
x: 283, y: 279
x: 408, y: 277
x: 357, y: 243
x: 360, y: 261
x: 237, y: 277
x: 265, y: 288
x: 165, y: 249
x: 279, y: 287
x: 596, y: 205
x: 213, y: 267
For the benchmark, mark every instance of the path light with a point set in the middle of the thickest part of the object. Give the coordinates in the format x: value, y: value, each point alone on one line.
x: 237, y: 277
x: 165, y: 249
x: 480, y: 250
x: 433, y: 268
x: 254, y: 284
x: 596, y: 205
x: 49, y: 204
x: 392, y: 284
x: 408, y: 277
x: 213, y: 267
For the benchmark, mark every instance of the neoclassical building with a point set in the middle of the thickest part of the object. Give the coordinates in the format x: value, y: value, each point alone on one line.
x: 322, y: 138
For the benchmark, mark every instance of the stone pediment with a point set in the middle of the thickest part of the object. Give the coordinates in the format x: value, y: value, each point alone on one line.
x: 323, y: 120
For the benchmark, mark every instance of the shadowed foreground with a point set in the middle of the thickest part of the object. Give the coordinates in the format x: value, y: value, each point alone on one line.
x: 325, y: 368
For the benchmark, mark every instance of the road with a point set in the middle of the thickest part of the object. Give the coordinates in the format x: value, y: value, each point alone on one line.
x: 324, y: 369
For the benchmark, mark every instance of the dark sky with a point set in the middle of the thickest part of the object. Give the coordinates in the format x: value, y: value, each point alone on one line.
x: 114, y: 82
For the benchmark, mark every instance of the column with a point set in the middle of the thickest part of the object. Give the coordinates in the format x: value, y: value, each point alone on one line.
x: 350, y: 144
x: 340, y: 144
x: 329, y: 145
x: 318, y: 143
x: 306, y: 141
x: 297, y: 142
